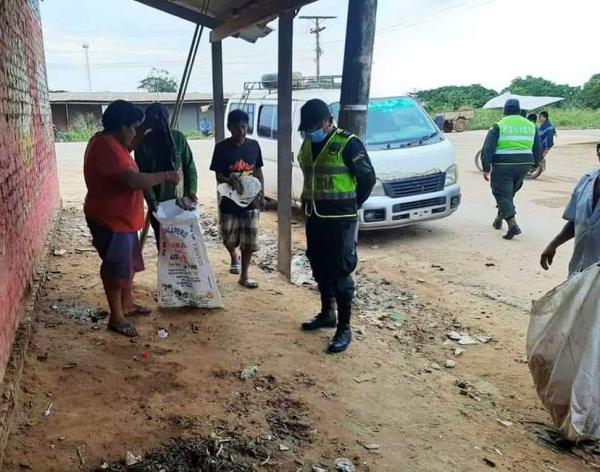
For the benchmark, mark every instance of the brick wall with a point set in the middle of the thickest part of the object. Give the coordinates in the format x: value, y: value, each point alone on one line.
x: 28, y: 178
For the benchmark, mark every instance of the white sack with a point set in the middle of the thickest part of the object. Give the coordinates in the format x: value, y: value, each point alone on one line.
x: 563, y: 353
x: 185, y: 277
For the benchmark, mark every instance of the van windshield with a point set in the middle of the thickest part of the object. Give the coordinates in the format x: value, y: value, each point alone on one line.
x: 395, y: 121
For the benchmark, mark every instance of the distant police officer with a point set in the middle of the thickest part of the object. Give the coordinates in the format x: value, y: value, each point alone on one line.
x: 338, y: 179
x: 511, y: 149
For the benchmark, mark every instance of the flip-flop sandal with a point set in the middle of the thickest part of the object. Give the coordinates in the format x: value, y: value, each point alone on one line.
x: 249, y: 283
x: 126, y: 329
x: 235, y: 269
x: 139, y: 310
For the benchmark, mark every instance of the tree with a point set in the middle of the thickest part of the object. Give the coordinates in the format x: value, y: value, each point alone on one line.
x: 453, y: 97
x: 158, y: 80
x: 538, y: 86
x: 590, y: 94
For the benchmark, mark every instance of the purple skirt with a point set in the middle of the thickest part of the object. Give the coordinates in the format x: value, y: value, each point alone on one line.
x: 120, y: 253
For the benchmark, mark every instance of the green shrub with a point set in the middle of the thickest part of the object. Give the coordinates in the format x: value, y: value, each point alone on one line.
x: 78, y: 136
x: 568, y: 118
x: 485, y: 118
x: 195, y: 135
x: 83, y: 128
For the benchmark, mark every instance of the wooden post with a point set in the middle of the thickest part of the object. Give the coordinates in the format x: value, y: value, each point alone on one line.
x: 358, y: 57
x: 284, y: 143
x: 218, y: 101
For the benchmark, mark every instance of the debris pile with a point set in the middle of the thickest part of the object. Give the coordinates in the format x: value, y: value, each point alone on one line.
x: 267, y: 261
x: 214, y: 454
x: 209, y: 225
x: 289, y: 419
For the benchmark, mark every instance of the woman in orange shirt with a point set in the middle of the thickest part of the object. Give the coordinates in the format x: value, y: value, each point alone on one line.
x: 114, y: 208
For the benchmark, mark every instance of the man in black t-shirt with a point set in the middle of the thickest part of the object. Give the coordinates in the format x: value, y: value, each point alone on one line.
x: 239, y: 226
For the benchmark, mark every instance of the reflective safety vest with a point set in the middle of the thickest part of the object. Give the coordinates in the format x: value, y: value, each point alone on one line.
x: 517, y: 135
x: 329, y: 187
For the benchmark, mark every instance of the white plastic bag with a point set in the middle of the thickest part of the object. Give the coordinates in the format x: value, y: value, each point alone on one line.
x: 563, y: 353
x: 185, y: 277
x: 251, y: 186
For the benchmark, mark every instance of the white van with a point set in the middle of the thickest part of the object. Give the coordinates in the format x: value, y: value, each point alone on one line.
x: 417, y: 177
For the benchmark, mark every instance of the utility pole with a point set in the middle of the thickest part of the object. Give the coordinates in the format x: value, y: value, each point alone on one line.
x: 358, y: 58
x: 86, y: 48
x: 317, y: 32
x: 284, y: 142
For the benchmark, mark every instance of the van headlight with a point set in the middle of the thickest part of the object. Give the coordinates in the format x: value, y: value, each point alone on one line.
x: 451, y: 175
x: 378, y: 190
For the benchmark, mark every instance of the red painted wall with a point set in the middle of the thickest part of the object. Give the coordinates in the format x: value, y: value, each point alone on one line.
x: 29, y: 193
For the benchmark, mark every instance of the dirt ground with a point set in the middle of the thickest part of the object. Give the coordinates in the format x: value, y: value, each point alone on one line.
x: 388, y: 404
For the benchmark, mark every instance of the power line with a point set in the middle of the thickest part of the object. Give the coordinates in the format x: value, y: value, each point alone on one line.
x: 317, y: 30
x: 461, y: 6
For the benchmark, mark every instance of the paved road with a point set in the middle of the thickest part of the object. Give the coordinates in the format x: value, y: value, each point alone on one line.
x: 463, y: 242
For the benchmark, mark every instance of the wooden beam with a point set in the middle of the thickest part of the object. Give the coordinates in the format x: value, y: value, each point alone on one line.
x: 358, y: 58
x: 217, y: 83
x: 284, y: 143
x: 183, y: 12
x: 261, y: 11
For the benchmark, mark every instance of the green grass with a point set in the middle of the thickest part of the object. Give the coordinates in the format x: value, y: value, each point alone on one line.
x: 84, y: 136
x: 569, y: 118
x: 78, y: 136
x: 575, y: 119
x: 195, y: 135
x: 484, y: 118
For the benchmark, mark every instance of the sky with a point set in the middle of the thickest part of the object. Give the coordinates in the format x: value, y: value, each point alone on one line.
x: 419, y: 44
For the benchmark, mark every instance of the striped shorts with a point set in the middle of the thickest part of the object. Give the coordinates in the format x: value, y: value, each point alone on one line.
x: 240, y: 230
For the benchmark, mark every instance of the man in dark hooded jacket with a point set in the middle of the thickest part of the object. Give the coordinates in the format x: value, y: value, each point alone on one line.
x: 163, y: 149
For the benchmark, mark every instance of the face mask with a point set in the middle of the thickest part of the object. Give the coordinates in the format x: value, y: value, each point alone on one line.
x: 315, y: 136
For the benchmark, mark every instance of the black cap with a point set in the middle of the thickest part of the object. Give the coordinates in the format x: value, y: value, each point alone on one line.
x: 312, y: 114
x: 512, y: 107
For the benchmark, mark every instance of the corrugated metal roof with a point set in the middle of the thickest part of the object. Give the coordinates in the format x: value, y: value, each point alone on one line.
x: 218, y: 12
x: 221, y: 12
x: 225, y: 9
x: 134, y: 97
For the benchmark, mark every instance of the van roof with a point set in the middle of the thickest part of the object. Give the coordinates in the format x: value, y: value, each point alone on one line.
x: 326, y: 94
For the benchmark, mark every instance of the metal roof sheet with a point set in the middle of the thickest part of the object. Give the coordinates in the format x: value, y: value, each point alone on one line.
x: 527, y: 102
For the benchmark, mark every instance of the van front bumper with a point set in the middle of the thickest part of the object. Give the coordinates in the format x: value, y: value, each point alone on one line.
x: 386, y: 212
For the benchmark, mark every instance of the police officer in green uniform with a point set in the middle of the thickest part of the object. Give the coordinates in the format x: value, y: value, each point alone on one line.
x: 512, y: 148
x: 338, y: 179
